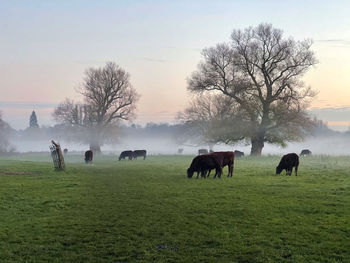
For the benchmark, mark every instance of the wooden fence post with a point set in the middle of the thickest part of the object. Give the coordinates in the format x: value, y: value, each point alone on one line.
x: 57, y: 156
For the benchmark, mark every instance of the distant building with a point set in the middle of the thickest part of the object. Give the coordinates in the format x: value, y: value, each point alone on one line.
x: 33, y: 121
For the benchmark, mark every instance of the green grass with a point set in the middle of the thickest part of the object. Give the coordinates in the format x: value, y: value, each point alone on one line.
x: 148, y: 211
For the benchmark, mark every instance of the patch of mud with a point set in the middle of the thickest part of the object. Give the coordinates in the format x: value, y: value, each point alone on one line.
x: 15, y: 173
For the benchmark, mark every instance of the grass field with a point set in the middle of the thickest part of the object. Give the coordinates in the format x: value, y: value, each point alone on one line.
x: 148, y: 211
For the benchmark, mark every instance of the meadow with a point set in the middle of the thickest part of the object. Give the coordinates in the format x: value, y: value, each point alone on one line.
x: 148, y: 211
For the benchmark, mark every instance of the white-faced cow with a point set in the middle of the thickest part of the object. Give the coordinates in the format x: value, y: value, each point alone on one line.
x: 305, y: 152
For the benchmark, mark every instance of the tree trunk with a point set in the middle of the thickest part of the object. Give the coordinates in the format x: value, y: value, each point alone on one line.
x: 257, y: 146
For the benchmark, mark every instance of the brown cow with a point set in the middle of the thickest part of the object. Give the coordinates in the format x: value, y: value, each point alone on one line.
x: 287, y: 162
x: 203, y: 163
x: 225, y: 158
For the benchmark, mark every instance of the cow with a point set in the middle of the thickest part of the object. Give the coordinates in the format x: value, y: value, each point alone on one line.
x: 238, y: 154
x: 225, y: 158
x: 139, y: 153
x: 306, y: 152
x: 203, y: 163
x: 88, y: 156
x: 180, y: 150
x: 65, y: 151
x: 287, y: 163
x: 202, y: 151
x: 125, y: 154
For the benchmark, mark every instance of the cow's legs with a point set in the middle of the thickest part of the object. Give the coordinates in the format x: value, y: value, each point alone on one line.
x: 218, y: 171
x: 197, y: 174
x: 209, y: 173
x: 230, y: 170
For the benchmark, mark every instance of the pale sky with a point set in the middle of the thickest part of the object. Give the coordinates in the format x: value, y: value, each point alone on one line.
x: 45, y: 47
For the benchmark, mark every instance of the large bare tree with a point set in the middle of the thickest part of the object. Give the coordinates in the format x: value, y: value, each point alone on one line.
x: 261, y: 73
x: 108, y: 98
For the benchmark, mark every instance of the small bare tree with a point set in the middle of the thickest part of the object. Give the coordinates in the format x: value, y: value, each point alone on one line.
x: 260, y: 71
x: 5, y: 131
x: 108, y: 98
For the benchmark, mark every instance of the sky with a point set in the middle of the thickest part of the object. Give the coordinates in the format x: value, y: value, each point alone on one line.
x: 45, y: 47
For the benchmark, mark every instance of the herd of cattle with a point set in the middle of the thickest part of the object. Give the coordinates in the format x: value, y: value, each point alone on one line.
x: 133, y: 154
x: 125, y: 154
x: 206, y: 161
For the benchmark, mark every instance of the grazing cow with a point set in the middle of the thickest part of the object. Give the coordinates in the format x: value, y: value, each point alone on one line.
x: 202, y: 151
x: 306, y: 152
x: 88, y: 156
x: 125, y: 154
x: 287, y: 163
x: 203, y: 163
x: 238, y: 154
x: 139, y: 153
x: 180, y: 150
x: 65, y: 151
x: 225, y: 158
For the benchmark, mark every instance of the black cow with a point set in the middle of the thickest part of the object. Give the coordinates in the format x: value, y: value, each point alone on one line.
x: 203, y: 163
x: 238, y: 154
x: 287, y: 163
x: 139, y: 153
x: 88, y: 156
x: 202, y: 151
x: 306, y: 152
x: 125, y: 154
x: 180, y: 150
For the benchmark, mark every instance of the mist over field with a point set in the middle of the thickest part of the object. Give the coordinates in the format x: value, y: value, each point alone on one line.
x: 336, y: 144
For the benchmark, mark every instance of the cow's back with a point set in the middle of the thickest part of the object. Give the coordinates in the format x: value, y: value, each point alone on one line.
x: 226, y: 158
x: 289, y: 160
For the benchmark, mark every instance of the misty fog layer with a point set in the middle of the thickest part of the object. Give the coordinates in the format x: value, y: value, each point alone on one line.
x: 330, y: 145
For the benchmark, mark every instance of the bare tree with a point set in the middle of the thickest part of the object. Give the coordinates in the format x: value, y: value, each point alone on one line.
x: 108, y: 99
x: 5, y: 132
x: 213, y: 118
x: 260, y: 71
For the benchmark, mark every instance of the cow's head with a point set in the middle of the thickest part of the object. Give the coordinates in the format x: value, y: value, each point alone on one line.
x: 190, y: 173
x: 278, y: 170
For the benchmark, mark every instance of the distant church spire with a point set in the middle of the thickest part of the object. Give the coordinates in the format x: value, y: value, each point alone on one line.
x: 33, y: 122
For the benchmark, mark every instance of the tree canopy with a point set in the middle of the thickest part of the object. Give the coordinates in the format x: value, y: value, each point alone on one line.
x: 258, y: 76
x: 108, y: 98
